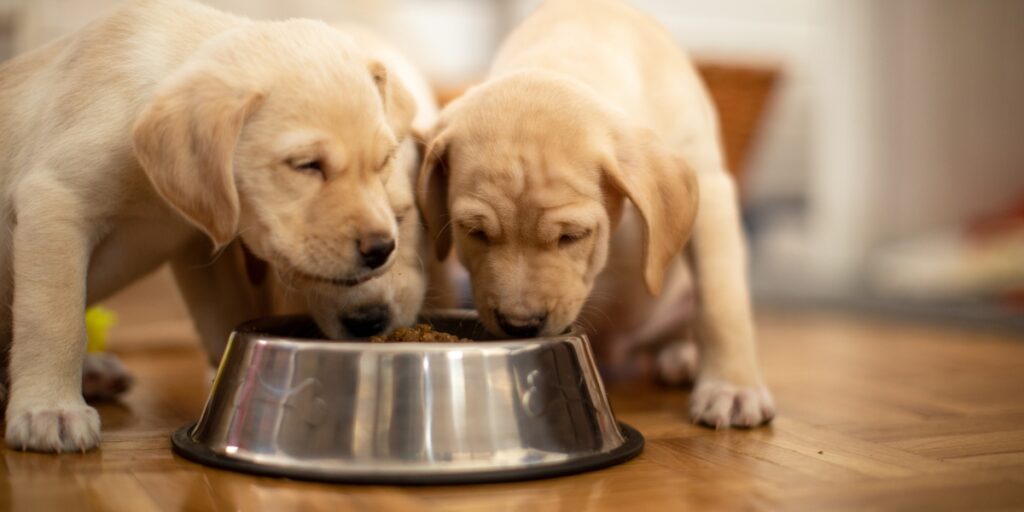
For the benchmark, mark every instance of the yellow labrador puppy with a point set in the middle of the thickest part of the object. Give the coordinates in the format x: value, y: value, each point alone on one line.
x: 395, y: 298
x: 158, y: 133
x: 584, y: 151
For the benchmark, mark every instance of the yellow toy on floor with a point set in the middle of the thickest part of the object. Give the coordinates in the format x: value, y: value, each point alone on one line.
x: 98, y: 321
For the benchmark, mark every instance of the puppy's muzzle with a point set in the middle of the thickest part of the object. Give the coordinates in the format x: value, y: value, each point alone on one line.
x: 521, y: 326
x: 376, y: 249
x: 367, y: 320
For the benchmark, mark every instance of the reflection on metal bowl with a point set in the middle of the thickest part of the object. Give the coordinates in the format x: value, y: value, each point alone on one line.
x: 286, y: 402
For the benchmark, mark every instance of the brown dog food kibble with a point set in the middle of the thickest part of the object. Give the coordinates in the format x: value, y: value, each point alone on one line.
x: 421, y: 333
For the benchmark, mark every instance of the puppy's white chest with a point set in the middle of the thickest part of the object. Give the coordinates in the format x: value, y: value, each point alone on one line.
x: 623, y: 306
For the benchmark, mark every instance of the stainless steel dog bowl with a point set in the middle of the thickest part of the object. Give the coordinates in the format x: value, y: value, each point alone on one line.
x: 287, y: 403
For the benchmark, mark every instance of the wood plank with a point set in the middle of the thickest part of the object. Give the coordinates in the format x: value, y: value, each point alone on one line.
x: 934, y: 493
x: 964, y: 445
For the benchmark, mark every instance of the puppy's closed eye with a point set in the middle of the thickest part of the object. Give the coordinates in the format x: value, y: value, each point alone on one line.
x: 307, y: 165
x: 572, y: 237
x: 478, y: 235
x: 474, y: 228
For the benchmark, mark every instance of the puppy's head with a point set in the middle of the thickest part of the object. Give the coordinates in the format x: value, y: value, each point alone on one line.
x: 281, y: 133
x: 528, y: 175
x: 394, y: 298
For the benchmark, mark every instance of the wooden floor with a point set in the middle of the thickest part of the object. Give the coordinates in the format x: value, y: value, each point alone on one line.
x: 872, y: 416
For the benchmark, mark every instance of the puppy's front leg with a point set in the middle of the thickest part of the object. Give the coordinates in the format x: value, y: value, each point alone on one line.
x: 217, y: 292
x: 46, y: 411
x: 729, y: 390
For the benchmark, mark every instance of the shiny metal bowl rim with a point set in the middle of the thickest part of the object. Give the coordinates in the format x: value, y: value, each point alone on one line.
x: 251, y: 329
x: 184, y: 445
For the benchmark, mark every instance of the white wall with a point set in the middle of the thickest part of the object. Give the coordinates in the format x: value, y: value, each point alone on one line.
x: 919, y: 124
x: 953, y: 91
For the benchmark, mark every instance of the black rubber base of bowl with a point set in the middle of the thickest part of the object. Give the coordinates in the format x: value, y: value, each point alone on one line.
x: 184, y: 446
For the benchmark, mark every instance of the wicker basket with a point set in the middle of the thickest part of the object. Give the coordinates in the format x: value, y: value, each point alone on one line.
x: 741, y: 94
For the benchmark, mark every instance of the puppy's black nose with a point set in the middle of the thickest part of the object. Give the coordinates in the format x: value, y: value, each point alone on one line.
x: 521, y: 326
x: 367, y: 320
x: 375, y: 249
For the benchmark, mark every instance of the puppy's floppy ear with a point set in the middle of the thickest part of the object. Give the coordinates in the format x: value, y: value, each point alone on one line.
x: 663, y: 188
x: 185, y: 141
x: 399, y: 104
x: 432, y: 195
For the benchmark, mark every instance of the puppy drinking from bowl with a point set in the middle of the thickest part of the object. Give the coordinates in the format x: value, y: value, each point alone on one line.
x: 160, y: 132
x: 568, y: 182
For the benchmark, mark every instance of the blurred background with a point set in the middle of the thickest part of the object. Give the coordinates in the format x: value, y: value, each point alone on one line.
x: 879, y: 143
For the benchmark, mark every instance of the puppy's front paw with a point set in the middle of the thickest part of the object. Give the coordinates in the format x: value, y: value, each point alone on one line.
x: 719, y: 403
x: 61, y: 428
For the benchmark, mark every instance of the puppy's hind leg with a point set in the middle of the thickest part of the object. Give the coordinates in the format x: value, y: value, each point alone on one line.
x: 104, y: 377
x: 677, y: 362
x: 45, y: 409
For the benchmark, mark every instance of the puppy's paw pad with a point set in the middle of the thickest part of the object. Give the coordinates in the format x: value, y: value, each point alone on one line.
x: 677, y: 363
x: 104, y: 377
x: 72, y: 428
x: 721, y: 404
